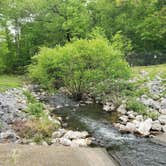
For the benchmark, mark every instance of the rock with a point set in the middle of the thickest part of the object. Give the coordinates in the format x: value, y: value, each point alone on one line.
x: 124, y: 119
x: 156, y: 125
x: 150, y: 102
x: 65, y: 141
x: 75, y: 134
x: 162, y: 119
x: 59, y: 133
x: 130, y: 114
x: 44, y: 143
x: 163, y: 104
x: 139, y: 118
x: 109, y: 106
x: 144, y: 127
x: 121, y: 109
x: 162, y: 111
x: 137, y: 123
x: 81, y: 142
x: 164, y: 128
x: 8, y: 135
x: 130, y: 127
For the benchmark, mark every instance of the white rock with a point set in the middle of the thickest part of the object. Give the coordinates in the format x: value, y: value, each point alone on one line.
x: 144, y: 128
x: 162, y: 111
x: 75, y: 134
x: 163, y: 104
x: 81, y: 142
x: 109, y: 107
x: 164, y: 128
x: 59, y: 133
x: 139, y: 118
x: 156, y: 125
x: 65, y: 141
x: 130, y: 127
x: 162, y: 119
x: 121, y: 109
x: 124, y: 119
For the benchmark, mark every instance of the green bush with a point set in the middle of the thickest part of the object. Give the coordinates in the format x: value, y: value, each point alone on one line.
x: 136, y: 106
x: 35, y: 109
x: 78, y: 65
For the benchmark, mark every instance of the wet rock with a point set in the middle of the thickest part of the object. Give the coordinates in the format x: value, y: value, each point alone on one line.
x: 144, y: 127
x: 156, y: 125
x: 162, y: 119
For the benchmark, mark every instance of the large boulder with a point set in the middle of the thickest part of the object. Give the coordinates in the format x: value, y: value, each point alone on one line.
x: 144, y: 127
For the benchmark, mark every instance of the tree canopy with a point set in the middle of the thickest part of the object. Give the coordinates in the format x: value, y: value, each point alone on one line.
x: 28, y: 25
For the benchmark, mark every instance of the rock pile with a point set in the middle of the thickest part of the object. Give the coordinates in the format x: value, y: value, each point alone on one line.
x: 132, y: 122
x: 12, y: 102
x: 71, y: 138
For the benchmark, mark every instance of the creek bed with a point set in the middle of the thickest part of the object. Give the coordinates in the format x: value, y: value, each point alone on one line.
x: 126, y: 149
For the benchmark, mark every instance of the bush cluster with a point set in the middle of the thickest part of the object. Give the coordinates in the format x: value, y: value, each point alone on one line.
x: 78, y: 65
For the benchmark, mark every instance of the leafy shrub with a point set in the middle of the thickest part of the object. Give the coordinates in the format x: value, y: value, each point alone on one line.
x: 78, y: 65
x: 35, y: 109
x: 30, y: 97
x: 136, y: 106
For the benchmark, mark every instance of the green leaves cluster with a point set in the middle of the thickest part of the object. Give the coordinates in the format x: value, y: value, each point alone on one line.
x: 79, y: 65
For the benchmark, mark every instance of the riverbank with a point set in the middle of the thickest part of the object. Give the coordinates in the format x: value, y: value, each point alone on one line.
x: 24, y: 155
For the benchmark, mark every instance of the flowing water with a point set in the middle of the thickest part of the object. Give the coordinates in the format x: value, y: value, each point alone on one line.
x: 126, y: 149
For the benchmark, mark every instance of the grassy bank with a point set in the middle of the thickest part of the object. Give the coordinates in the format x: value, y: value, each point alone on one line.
x: 10, y: 81
x: 152, y: 70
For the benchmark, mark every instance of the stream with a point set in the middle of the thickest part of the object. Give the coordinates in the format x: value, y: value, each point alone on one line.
x: 126, y: 149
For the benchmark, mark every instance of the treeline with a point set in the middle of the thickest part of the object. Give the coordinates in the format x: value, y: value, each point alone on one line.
x: 25, y: 26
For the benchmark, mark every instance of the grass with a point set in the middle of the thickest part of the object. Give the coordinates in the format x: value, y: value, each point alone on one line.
x: 9, y: 81
x: 153, y: 70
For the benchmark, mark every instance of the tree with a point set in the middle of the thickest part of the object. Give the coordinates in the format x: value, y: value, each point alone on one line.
x: 78, y: 65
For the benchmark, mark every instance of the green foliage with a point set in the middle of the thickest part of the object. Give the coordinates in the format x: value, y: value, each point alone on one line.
x: 133, y: 104
x: 79, y: 65
x: 3, y: 56
x: 30, y: 98
x: 8, y: 82
x: 35, y: 109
